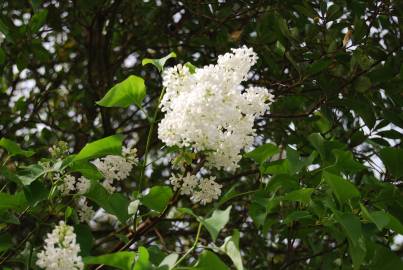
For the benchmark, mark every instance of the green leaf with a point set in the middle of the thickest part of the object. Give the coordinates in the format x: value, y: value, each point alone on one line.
x: 346, y: 162
x: 209, y: 261
x: 38, y: 20
x: 318, y: 66
x: 306, y: 9
x: 394, y: 224
x: 36, y: 192
x: 385, y: 259
x: 29, y: 174
x: 262, y: 153
x: 14, y: 149
x: 296, y: 163
x: 379, y: 218
x: 87, y: 169
x: 302, y: 195
x: 216, y: 222
x: 192, y: 68
x: 352, y: 226
x: 333, y: 12
x: 343, y: 189
x: 297, y: 215
x: 392, y: 158
x: 132, y: 90
x: 158, y: 63
x: 231, y: 248
x: 121, y: 260
x: 143, y: 261
x: 84, y: 238
x: 228, y: 195
x: 115, y: 204
x: 16, y: 201
x: 2, y: 56
x: 168, y: 262
x: 6, y: 242
x: 111, y: 145
x: 158, y: 198
x: 9, y: 217
x: 362, y: 84
x: 118, y: 206
x: 276, y: 167
x: 318, y: 143
x: 279, y: 49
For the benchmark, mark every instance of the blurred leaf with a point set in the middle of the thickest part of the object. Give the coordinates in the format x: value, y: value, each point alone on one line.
x: 385, y: 259
x: 29, y: 174
x: 38, y: 20
x: 158, y: 198
x: 14, y: 149
x: 2, y: 56
x: 279, y: 48
x: 362, y: 84
x: 318, y: 66
x: 16, y: 201
x: 132, y: 90
x: 333, y: 12
x: 6, y: 242
x: 392, y: 158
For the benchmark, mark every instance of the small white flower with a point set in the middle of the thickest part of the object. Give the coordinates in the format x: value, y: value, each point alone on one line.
x: 107, y: 184
x: 209, y: 191
x: 116, y: 167
x: 176, y: 181
x: 133, y: 206
x: 189, y: 184
x: 199, y: 189
x: 67, y: 185
x: 131, y: 155
x: 61, y: 250
x: 83, y: 185
x: 85, y: 212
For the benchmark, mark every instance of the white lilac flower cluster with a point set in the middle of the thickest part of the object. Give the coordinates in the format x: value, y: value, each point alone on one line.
x: 84, y: 211
x: 116, y: 167
x: 203, y: 190
x: 208, y: 110
x: 70, y: 184
x: 61, y: 250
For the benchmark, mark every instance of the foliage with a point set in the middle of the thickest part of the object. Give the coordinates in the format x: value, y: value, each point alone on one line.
x: 322, y: 188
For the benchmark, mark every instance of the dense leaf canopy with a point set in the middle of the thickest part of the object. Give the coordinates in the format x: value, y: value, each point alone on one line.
x: 322, y: 189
